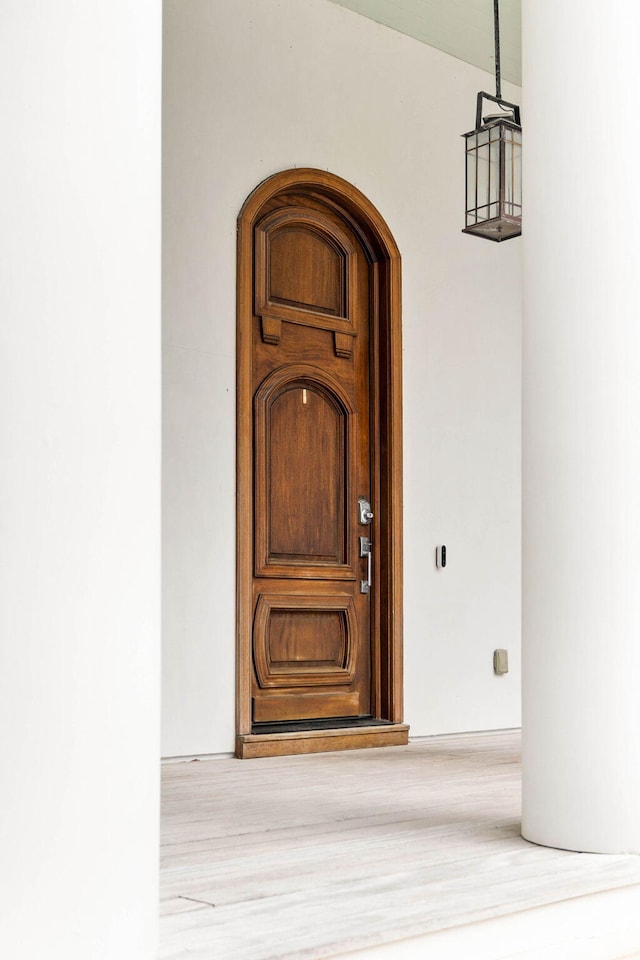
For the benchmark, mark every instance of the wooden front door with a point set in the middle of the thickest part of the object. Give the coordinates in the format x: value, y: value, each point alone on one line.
x: 319, y: 440
x: 312, y: 446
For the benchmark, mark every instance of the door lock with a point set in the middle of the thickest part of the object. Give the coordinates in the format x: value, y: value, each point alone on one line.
x: 365, y: 551
x: 365, y: 514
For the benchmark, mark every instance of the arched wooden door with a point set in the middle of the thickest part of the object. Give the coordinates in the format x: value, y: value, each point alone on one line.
x: 319, y: 592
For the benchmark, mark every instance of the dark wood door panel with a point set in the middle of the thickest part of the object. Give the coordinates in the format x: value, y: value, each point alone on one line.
x: 305, y: 640
x: 305, y: 268
x: 305, y: 436
x: 312, y: 460
x: 306, y: 272
x: 301, y: 705
x: 307, y: 457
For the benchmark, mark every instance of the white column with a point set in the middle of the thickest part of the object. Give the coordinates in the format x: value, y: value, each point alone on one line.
x: 79, y: 481
x: 581, y: 426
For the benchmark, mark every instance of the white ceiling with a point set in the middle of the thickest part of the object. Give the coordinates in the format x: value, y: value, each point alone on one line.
x: 463, y: 28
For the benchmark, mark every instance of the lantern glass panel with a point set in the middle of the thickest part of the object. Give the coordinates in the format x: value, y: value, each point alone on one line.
x: 493, y: 192
x: 483, y: 180
x: 472, y: 159
x: 513, y: 172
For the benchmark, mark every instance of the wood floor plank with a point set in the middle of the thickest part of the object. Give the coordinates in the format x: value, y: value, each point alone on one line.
x: 309, y: 856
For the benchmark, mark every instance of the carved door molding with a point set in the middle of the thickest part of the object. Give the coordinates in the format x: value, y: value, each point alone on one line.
x: 265, y: 301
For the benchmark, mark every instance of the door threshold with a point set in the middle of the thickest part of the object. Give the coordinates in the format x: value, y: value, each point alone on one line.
x: 353, y: 737
x: 320, y: 723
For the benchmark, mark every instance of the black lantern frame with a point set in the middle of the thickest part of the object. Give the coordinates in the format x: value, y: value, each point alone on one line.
x: 493, y: 194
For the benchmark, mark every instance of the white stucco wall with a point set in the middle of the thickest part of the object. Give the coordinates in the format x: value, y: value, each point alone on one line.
x: 257, y: 86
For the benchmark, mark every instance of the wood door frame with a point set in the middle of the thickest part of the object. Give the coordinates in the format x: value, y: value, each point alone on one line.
x: 385, y: 270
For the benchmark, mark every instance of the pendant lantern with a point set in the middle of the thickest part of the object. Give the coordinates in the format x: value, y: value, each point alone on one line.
x: 493, y: 151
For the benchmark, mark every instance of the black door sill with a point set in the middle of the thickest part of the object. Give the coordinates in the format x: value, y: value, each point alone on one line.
x: 327, y: 723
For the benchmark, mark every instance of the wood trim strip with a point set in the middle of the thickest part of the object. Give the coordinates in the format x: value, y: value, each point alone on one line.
x: 395, y: 710
x: 320, y: 741
x: 305, y: 318
x: 244, y: 473
x: 377, y: 708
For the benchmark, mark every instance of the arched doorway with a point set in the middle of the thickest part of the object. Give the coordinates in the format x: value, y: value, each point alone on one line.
x: 319, y: 435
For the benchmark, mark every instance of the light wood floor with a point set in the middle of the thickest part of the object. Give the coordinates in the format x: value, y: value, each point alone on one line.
x: 313, y: 856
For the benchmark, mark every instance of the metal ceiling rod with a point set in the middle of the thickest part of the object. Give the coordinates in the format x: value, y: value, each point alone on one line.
x: 496, y: 32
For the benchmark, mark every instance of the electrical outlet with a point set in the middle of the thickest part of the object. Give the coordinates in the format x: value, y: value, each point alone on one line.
x: 500, y: 662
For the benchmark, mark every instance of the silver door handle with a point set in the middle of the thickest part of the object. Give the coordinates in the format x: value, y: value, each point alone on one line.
x: 366, y: 551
